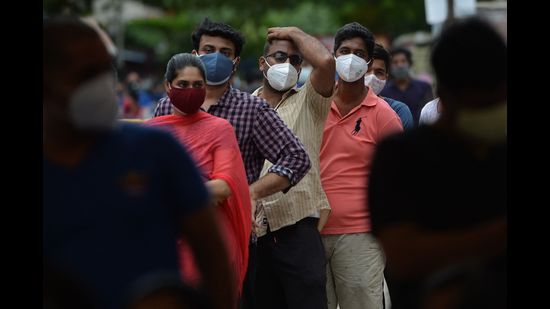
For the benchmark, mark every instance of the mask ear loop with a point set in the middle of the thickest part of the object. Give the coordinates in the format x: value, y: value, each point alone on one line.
x: 264, y: 72
x: 234, y: 67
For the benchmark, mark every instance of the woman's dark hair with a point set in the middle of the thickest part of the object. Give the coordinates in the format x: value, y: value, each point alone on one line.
x: 180, y: 61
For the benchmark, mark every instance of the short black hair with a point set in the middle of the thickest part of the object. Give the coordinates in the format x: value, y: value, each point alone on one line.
x: 406, y: 52
x: 450, y: 63
x: 353, y: 30
x: 180, y: 61
x: 218, y: 29
x: 381, y: 53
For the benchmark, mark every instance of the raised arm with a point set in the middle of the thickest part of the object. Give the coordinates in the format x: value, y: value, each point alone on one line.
x: 314, y: 52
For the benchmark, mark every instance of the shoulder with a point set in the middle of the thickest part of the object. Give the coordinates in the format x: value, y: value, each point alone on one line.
x: 432, y: 103
x: 246, y: 100
x: 422, y: 84
x: 382, y: 106
x: 218, y: 122
x: 399, y: 106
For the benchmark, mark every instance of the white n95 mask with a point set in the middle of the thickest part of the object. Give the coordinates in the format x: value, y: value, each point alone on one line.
x: 281, y: 76
x: 351, y: 67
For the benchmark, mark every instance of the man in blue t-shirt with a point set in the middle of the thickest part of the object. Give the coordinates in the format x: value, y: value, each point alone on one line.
x: 413, y: 92
x: 376, y: 77
x: 115, y: 199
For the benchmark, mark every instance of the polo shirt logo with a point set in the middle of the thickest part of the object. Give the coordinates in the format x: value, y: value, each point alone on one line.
x: 357, y: 127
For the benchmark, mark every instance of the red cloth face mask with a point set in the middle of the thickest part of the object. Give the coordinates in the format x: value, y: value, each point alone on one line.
x: 187, y: 100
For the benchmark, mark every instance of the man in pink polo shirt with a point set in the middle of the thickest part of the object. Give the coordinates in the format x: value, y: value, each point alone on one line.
x: 357, y: 121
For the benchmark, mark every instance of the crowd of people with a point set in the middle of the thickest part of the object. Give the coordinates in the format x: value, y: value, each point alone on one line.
x: 308, y: 192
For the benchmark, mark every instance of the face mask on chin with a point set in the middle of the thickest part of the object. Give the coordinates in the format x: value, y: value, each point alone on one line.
x: 93, y: 105
x: 487, y: 125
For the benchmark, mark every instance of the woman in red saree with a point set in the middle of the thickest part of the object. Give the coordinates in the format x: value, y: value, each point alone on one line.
x: 212, y: 143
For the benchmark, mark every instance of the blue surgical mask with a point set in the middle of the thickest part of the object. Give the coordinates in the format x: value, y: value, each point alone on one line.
x: 218, y: 68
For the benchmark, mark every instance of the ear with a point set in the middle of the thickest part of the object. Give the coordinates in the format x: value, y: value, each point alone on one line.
x: 237, y: 61
x: 194, y: 52
x: 166, y: 88
x: 261, y: 63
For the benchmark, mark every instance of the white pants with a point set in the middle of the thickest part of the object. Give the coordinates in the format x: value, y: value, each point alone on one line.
x: 355, y: 271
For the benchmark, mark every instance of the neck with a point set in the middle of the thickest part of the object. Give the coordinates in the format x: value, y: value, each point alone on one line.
x: 272, y: 96
x: 213, y: 94
x: 350, y: 95
x: 402, y: 83
x: 177, y: 112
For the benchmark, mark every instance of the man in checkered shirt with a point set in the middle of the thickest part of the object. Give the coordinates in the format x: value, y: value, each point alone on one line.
x: 261, y: 133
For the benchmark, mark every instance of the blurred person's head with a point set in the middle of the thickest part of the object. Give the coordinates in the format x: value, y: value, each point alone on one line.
x: 79, y: 83
x: 401, y: 62
x: 473, y: 104
x: 111, y: 48
x: 185, y: 83
x: 353, y: 49
x: 377, y: 73
x: 281, y: 64
x: 132, y: 77
x: 219, y: 46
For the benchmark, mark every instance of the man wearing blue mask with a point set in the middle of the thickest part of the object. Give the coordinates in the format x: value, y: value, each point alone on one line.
x: 403, y: 87
x: 261, y: 133
x: 291, y: 261
x: 460, y: 224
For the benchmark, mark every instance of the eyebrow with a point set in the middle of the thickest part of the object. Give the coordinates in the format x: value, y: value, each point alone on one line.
x: 226, y: 49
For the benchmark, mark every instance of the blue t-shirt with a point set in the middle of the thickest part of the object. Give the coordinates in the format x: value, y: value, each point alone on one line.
x: 115, y: 217
x: 415, y: 96
x: 403, y: 111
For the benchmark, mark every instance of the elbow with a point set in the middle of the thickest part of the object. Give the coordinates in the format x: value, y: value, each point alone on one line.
x: 329, y: 62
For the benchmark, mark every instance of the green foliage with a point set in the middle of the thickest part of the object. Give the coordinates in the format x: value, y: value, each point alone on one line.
x: 73, y: 7
x: 172, y: 33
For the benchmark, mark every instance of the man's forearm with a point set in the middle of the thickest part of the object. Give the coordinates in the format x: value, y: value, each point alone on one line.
x: 311, y: 49
x: 268, y: 185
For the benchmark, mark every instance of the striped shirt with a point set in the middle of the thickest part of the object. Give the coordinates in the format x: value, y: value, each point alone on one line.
x: 305, y: 112
x: 261, y: 135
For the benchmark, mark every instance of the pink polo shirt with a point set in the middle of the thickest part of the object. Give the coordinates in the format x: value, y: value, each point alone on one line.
x: 346, y: 157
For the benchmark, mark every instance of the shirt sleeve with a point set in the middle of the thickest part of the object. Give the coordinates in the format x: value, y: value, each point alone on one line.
x: 164, y: 107
x: 280, y: 146
x: 390, y: 123
x: 406, y: 116
x: 316, y: 102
